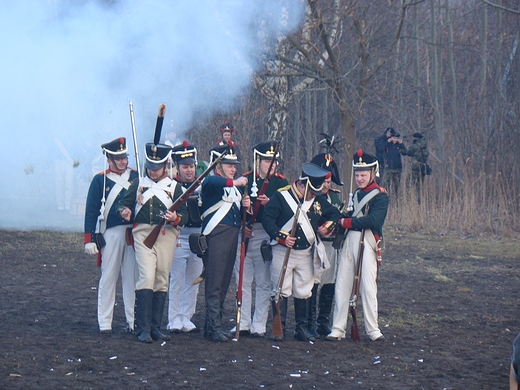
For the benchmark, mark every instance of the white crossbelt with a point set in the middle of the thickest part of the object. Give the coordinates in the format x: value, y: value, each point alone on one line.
x: 303, y: 220
x: 158, y: 189
x: 121, y: 181
x: 222, y: 207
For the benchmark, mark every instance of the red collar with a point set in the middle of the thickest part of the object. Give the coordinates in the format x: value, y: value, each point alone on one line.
x: 370, y: 187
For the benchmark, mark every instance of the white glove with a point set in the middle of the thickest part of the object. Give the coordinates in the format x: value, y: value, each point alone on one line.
x: 91, y: 248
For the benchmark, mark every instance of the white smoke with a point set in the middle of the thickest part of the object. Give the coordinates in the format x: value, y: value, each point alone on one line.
x: 70, y: 68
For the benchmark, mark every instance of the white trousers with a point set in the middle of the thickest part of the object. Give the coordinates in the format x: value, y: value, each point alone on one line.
x: 329, y: 275
x: 347, y: 262
x: 255, y: 269
x: 182, y: 294
x: 299, y: 275
x: 116, y: 257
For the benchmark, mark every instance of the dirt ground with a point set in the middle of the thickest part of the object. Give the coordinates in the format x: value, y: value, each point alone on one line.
x: 448, y: 307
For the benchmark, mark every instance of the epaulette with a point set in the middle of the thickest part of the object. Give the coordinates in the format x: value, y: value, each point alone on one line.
x: 335, y: 190
x: 279, y: 175
x: 247, y: 173
x: 286, y: 188
x: 382, y: 190
x: 103, y: 172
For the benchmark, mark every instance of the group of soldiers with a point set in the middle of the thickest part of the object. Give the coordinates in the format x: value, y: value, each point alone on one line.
x: 278, y: 238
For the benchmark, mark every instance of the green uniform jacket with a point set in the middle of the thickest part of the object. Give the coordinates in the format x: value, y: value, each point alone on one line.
x: 277, y: 212
x: 275, y: 182
x: 150, y: 212
x: 377, y: 209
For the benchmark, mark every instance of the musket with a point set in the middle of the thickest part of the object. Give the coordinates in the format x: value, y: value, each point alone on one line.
x: 354, y: 331
x: 152, y: 237
x: 277, y: 330
x: 136, y: 149
x: 264, y: 187
x: 243, y: 249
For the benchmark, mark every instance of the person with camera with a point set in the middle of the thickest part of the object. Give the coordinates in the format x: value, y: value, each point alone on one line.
x: 389, y: 148
x: 419, y: 153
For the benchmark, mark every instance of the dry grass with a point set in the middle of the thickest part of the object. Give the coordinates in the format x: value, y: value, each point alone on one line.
x: 466, y: 204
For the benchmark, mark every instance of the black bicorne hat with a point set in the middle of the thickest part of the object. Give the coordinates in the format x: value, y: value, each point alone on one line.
x: 184, y: 154
x: 325, y: 161
x: 156, y: 155
x: 115, y: 148
x: 315, y: 176
x: 217, y: 151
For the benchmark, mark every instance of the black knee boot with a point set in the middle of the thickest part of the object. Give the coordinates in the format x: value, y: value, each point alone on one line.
x: 300, y: 314
x: 157, y: 314
x: 283, y: 316
x: 325, y: 308
x: 143, y: 315
x: 311, y: 312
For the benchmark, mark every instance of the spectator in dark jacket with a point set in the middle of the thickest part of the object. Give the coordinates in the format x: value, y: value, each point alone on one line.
x: 389, y: 148
x: 419, y: 153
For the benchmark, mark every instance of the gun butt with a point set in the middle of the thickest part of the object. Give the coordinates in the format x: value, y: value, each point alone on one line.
x: 354, y: 331
x: 277, y: 323
x: 152, y: 237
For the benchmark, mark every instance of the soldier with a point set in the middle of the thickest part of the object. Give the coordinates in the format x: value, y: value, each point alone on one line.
x: 151, y: 197
x: 186, y: 266
x: 104, y: 225
x: 226, y: 133
x: 255, y: 268
x: 317, y: 218
x: 221, y: 204
x: 369, y: 213
x: 324, y: 281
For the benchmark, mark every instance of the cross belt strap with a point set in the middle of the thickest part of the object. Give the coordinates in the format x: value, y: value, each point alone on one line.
x: 121, y: 181
x: 303, y: 220
x: 231, y: 196
x: 156, y: 189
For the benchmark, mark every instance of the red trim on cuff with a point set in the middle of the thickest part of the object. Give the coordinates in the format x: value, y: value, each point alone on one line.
x: 229, y: 183
x: 177, y: 221
x: 346, y: 223
x: 87, y: 238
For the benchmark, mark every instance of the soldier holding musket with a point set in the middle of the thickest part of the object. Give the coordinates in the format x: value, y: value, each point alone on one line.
x: 148, y: 200
x: 186, y: 266
x: 255, y: 267
x: 370, y: 205
x: 316, y: 218
x: 105, y: 234
x: 222, y: 207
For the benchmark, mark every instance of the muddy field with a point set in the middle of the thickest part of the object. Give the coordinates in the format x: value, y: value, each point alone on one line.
x: 448, y: 307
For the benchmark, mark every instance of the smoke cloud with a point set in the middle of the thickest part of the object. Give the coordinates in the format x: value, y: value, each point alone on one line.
x: 70, y: 68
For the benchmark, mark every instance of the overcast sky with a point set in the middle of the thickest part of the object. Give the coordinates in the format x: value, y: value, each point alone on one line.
x: 69, y: 69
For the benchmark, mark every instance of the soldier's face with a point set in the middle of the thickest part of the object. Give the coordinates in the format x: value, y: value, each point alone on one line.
x: 228, y: 170
x: 118, y: 165
x: 187, y: 172
x: 226, y: 136
x: 326, y: 186
x: 264, y: 166
x: 363, y: 178
x: 156, y: 175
